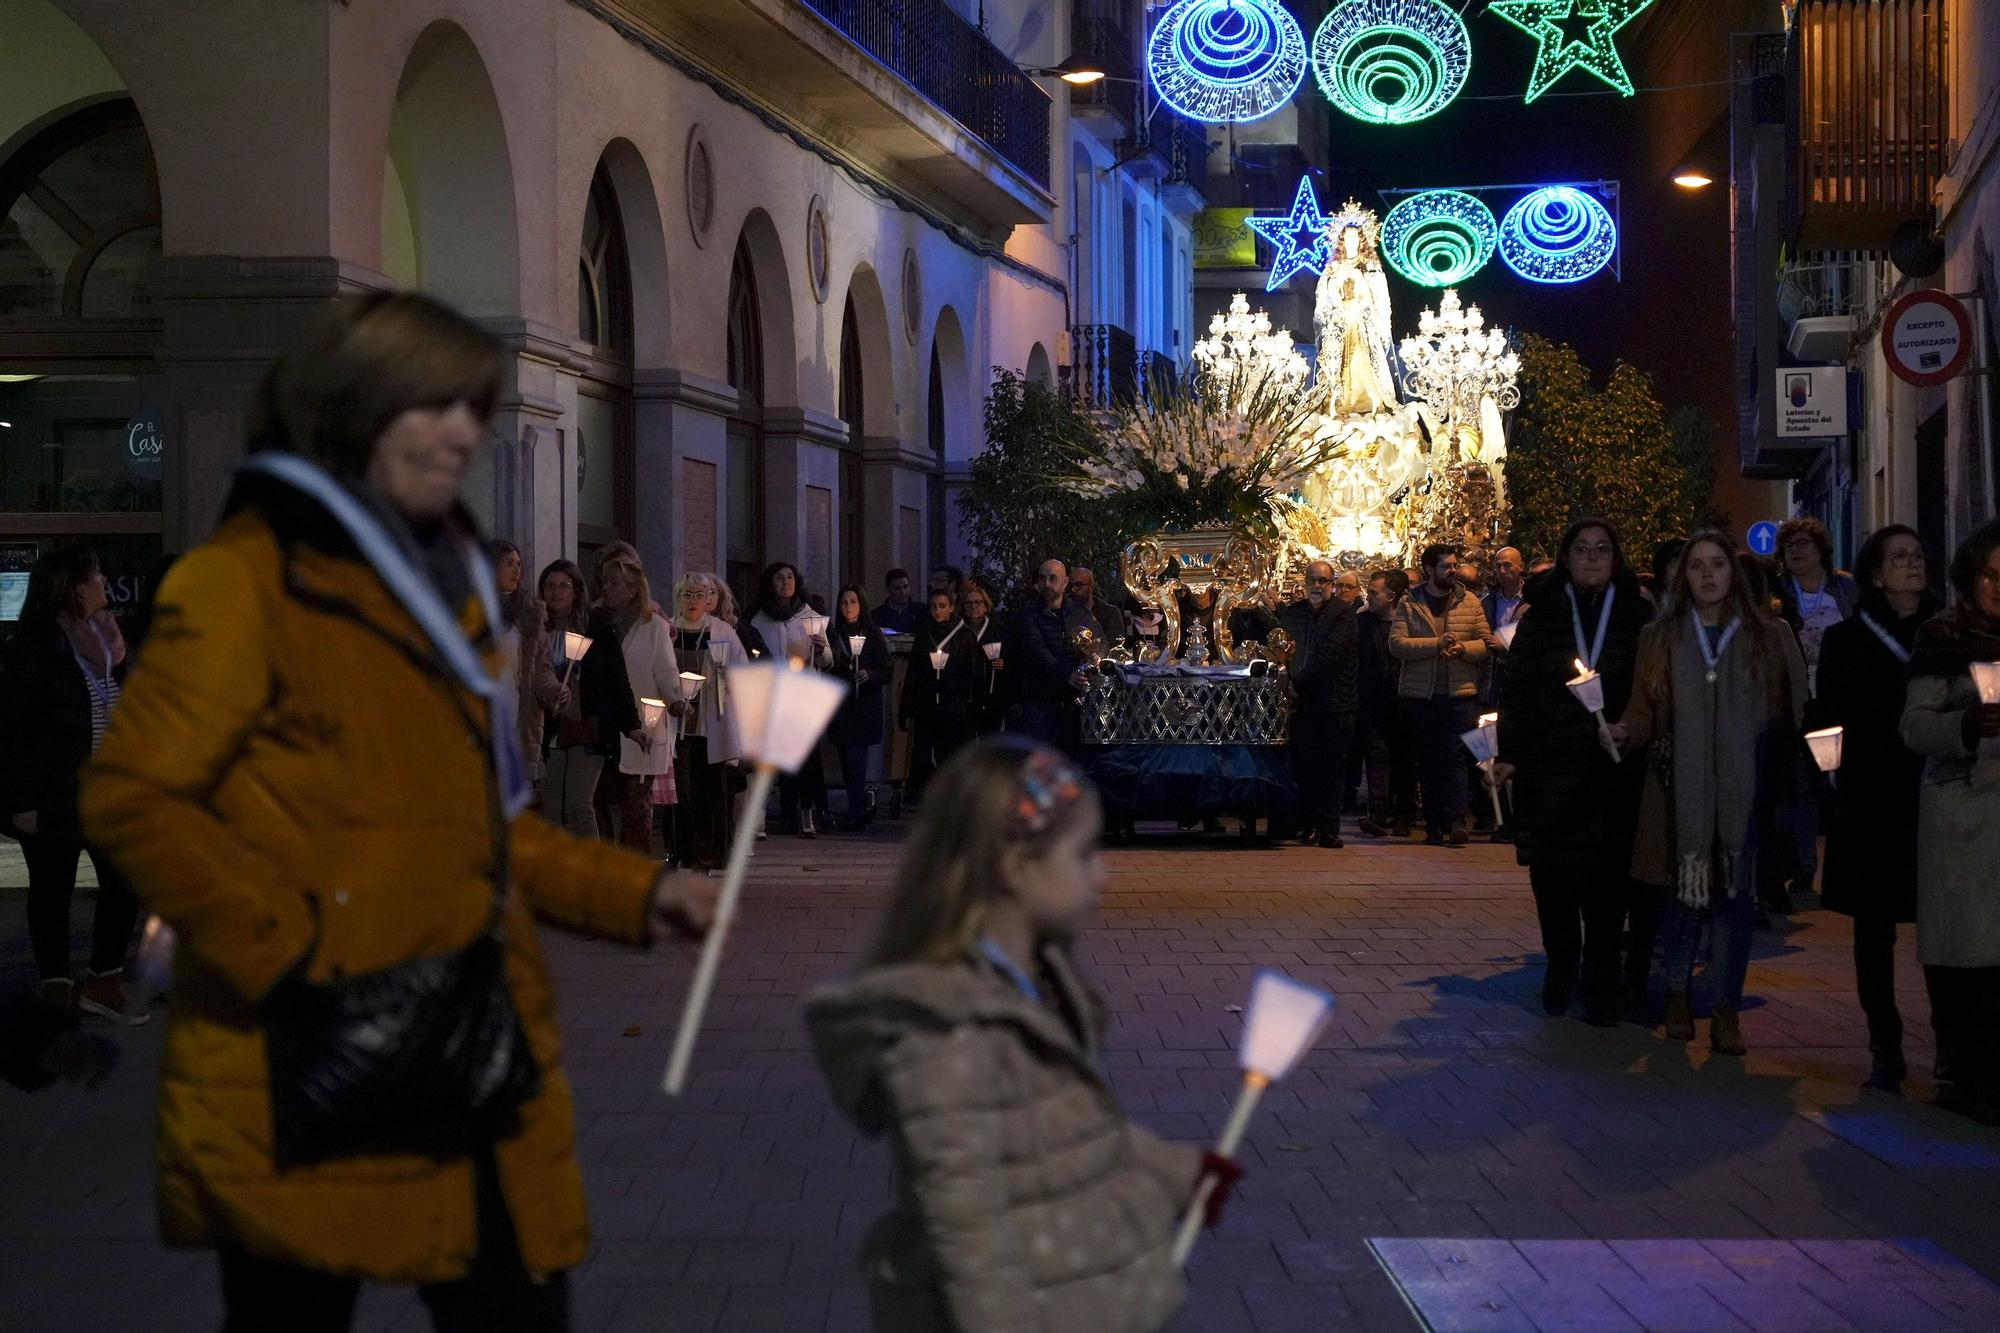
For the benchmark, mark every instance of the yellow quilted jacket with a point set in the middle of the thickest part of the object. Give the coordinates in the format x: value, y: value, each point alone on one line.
x: 294, y: 778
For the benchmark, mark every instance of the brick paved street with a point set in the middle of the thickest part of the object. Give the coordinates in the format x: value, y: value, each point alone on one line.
x: 1444, y: 1128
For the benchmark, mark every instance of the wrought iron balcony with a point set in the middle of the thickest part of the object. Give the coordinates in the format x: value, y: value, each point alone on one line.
x: 1101, y: 32
x: 950, y: 62
x: 1104, y: 366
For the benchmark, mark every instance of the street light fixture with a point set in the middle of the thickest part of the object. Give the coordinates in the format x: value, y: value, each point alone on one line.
x: 1075, y: 71
x: 1688, y: 178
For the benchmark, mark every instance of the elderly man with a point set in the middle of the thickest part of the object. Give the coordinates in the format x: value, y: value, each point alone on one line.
x: 1083, y: 591
x: 1347, y: 587
x: 1324, y: 677
x: 1051, y: 678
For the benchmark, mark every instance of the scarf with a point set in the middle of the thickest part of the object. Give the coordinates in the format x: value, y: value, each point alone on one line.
x: 1950, y: 642
x: 1717, y: 730
x: 88, y: 642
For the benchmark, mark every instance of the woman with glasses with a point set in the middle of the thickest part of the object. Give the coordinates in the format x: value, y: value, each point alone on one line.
x: 1871, y: 843
x: 989, y: 694
x: 1949, y: 720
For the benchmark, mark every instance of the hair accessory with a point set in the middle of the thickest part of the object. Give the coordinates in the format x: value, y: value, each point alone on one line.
x: 1048, y: 784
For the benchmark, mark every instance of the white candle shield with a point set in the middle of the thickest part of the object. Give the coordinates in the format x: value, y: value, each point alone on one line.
x: 575, y: 645
x: 1826, y: 747
x: 1986, y: 675
x: 652, y: 712
x: 992, y: 651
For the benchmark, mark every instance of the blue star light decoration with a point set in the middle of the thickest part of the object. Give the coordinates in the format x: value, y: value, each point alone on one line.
x: 1391, y: 62
x: 1558, y: 234
x: 1301, y: 237
x: 1439, y: 238
x: 1560, y: 51
x: 1226, y: 61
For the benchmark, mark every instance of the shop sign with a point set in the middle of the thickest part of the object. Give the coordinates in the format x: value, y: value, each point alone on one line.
x: 1812, y: 400
x: 145, y: 444
x: 1927, y: 337
x: 17, y: 561
x: 1223, y: 239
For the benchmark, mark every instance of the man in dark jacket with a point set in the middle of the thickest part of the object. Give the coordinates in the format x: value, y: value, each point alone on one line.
x: 1084, y: 592
x: 1051, y: 678
x: 1382, y: 725
x: 1325, y: 678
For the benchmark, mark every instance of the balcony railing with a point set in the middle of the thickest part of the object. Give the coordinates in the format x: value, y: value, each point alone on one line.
x: 1868, y: 77
x: 950, y: 62
x: 1157, y: 373
x: 1104, y: 366
x: 1101, y: 32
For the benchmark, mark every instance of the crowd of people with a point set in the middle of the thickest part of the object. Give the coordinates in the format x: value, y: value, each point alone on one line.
x: 356, y: 753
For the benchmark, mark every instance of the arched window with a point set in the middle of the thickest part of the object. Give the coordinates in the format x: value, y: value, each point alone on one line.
x: 853, y: 409
x: 82, y: 435
x: 744, y: 552
x: 934, y: 421
x: 604, y: 391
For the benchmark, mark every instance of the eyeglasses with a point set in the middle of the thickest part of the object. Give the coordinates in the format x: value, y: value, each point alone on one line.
x: 1592, y: 550
x: 1317, y: 580
x: 1907, y: 559
x: 1989, y: 578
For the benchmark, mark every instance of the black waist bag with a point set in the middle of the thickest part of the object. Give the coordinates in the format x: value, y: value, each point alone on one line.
x: 427, y: 1056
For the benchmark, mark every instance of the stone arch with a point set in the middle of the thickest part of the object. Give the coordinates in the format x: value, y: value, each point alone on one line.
x: 448, y: 197
x: 645, y: 251
x: 776, y: 321
x: 869, y: 312
x: 960, y: 411
x: 1039, y: 371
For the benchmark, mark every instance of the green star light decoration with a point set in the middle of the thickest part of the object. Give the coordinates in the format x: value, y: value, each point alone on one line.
x: 1560, y: 52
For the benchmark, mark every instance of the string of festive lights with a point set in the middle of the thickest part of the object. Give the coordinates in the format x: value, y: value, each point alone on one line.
x: 1301, y: 238
x: 1557, y: 234
x: 1391, y: 62
x: 1226, y: 61
x: 1559, y: 49
x: 1438, y: 238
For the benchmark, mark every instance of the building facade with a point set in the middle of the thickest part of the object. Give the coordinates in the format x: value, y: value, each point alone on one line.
x: 753, y: 263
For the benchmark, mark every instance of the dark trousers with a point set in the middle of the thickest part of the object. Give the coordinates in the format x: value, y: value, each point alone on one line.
x: 854, y: 777
x: 801, y: 792
x: 1875, y: 983
x: 496, y: 1295
x: 933, y: 740
x: 1053, y: 722
x: 52, y: 884
x: 1319, y: 762
x: 1441, y: 758
x: 1965, y: 1011
x: 701, y: 811
x: 1583, y: 924
x: 1388, y: 753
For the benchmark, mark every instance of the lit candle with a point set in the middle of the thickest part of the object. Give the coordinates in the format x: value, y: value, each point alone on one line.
x: 652, y: 712
x: 1825, y: 745
x: 574, y: 647
x: 1588, y: 687
x: 1986, y: 675
x: 1484, y: 742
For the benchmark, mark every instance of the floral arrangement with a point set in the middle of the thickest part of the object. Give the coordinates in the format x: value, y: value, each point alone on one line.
x: 1222, y: 447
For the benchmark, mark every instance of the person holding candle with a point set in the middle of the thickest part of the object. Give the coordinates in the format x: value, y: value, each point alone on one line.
x: 1024, y: 1198
x: 653, y: 671
x: 794, y: 631
x: 594, y: 705
x: 1576, y: 805
x: 704, y: 645
x: 1957, y: 731
x: 1816, y: 596
x: 523, y: 614
x: 989, y: 692
x: 1871, y: 842
x: 1438, y: 636
x: 1718, y: 693
x: 313, y: 779
x: 857, y: 728
x: 938, y: 686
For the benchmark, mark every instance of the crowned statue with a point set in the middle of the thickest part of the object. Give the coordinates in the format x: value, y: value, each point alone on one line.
x: 1351, y: 309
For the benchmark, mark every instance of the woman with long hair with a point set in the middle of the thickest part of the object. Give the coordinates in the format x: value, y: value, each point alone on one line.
x: 1956, y: 728
x: 527, y: 619
x: 937, y: 691
x: 1575, y: 804
x: 794, y: 631
x: 647, y: 641
x: 971, y: 1042
x: 1871, y: 841
x: 1719, y: 691
x: 56, y: 698
x: 594, y: 710
x: 707, y: 646
x: 976, y: 605
x: 314, y: 780
x: 857, y: 727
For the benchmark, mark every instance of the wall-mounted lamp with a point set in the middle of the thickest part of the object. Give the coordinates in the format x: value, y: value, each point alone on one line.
x: 1688, y: 178
x: 1075, y: 71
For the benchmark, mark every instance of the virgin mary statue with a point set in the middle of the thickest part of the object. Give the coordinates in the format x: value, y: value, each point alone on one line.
x: 1351, y: 310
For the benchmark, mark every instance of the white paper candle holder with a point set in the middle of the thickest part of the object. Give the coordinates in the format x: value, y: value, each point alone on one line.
x: 575, y: 645
x: 938, y: 658
x: 992, y: 651
x: 1986, y: 676
x: 691, y: 683
x: 1826, y: 747
x: 855, y: 643
x: 652, y: 712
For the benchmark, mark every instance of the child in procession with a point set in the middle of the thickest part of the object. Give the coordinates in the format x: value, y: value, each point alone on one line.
x: 1025, y: 1197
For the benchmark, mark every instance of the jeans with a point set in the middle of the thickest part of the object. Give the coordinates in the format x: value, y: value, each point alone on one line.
x: 1734, y: 918
x: 569, y: 789
x: 1382, y: 735
x: 496, y: 1295
x: 1319, y: 761
x: 1583, y: 923
x: 1441, y: 758
x: 51, y: 886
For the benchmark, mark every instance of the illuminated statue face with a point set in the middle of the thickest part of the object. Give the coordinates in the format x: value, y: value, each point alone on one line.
x: 1350, y: 242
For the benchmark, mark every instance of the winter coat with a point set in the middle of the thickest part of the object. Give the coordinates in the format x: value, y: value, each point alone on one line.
x: 298, y: 784
x: 930, y: 695
x: 1493, y: 679
x: 1871, y: 843
x: 696, y: 651
x: 44, y: 731
x: 539, y: 685
x: 1045, y: 660
x: 1325, y: 667
x: 860, y: 720
x: 654, y: 673
x: 1958, y: 828
x: 785, y: 634
x: 1574, y: 806
x: 992, y: 688
x: 1025, y: 1200
x: 1375, y: 670
x: 1413, y: 641
x: 599, y: 690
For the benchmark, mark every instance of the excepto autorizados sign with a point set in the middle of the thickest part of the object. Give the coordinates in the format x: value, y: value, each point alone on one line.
x: 1927, y: 337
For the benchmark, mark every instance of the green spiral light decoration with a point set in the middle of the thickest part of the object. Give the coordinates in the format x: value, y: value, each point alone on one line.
x: 1391, y: 62
x: 1439, y: 238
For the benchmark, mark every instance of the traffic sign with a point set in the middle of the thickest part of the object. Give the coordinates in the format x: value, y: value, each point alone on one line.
x: 1762, y: 539
x: 1927, y: 337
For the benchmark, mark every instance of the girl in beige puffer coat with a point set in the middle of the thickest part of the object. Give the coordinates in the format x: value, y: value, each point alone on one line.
x: 1025, y: 1198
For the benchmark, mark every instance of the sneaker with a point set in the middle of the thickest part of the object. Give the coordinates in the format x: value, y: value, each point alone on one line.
x: 1370, y: 829
x: 1457, y: 838
x: 1331, y: 840
x: 103, y: 996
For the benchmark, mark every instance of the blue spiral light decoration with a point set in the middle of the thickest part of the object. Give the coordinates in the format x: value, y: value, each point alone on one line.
x: 1557, y: 234
x: 1439, y: 238
x: 1391, y: 62
x: 1226, y: 61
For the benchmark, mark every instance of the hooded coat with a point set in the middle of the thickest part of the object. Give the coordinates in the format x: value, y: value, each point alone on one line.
x: 1958, y: 837
x: 1025, y: 1200
x: 298, y: 784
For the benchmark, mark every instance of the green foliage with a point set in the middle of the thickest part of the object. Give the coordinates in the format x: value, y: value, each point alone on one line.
x: 1575, y: 449
x: 1012, y: 516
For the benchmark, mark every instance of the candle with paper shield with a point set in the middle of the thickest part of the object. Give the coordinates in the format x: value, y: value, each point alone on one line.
x: 1507, y: 632
x: 574, y: 647
x: 1826, y: 746
x: 1986, y: 676
x: 780, y: 713
x: 652, y: 712
x: 1484, y: 742
x: 1283, y: 1019
x: 691, y: 683
x: 1588, y: 687
x: 938, y: 658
